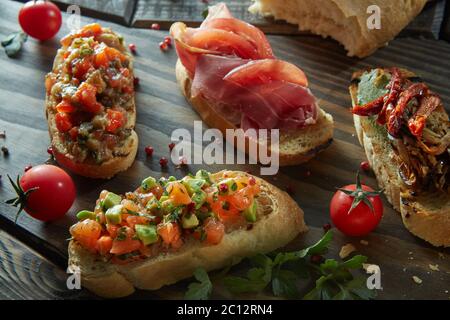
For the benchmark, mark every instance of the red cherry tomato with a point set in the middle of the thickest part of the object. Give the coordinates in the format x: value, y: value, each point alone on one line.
x: 40, y: 19
x: 53, y: 194
x: 360, y: 220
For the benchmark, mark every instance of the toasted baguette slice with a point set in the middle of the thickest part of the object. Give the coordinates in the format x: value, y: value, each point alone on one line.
x: 280, y: 220
x: 124, y: 154
x: 427, y: 216
x: 294, y: 148
x: 345, y: 21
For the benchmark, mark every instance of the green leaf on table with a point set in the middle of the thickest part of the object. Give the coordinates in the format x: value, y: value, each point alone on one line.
x: 256, y: 279
x: 13, y: 43
x: 338, y: 283
x: 322, y: 290
x: 199, y: 290
x: 358, y: 288
x: 355, y: 262
x: 319, y: 247
x: 284, y: 283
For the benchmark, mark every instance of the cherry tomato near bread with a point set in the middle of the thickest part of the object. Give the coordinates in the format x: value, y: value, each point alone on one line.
x: 40, y: 19
x: 356, y: 209
x: 45, y: 192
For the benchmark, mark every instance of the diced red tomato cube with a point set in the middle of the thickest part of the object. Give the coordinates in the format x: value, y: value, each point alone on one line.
x: 101, y: 60
x: 129, y: 244
x: 65, y: 106
x: 87, y: 232
x: 170, y: 234
x: 63, y: 123
x: 112, y: 230
x: 86, y: 95
x: 73, y: 133
x: 104, y: 245
x: 82, y: 67
x: 214, y: 230
x: 116, y: 120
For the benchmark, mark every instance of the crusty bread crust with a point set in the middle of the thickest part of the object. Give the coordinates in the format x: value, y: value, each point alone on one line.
x: 344, y: 20
x: 107, y: 169
x: 426, y: 216
x: 316, y: 137
x: 124, y: 154
x: 271, y: 231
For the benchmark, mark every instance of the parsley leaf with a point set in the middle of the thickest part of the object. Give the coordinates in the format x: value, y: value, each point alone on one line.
x: 13, y: 43
x: 320, y: 247
x: 338, y: 283
x: 199, y: 290
x: 282, y: 271
x: 284, y: 283
x: 256, y: 279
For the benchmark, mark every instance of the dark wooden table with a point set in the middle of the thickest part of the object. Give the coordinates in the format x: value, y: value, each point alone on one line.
x: 142, y: 13
x: 33, y: 254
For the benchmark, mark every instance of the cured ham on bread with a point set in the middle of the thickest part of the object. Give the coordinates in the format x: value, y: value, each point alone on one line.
x: 228, y: 72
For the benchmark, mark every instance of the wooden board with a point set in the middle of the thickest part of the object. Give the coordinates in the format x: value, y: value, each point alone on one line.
x: 445, y: 31
x: 119, y: 11
x: 164, y: 12
x: 27, y: 275
x: 161, y: 109
x: 142, y: 13
x: 428, y: 23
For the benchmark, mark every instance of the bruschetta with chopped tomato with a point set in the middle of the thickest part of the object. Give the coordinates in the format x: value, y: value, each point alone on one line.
x: 90, y: 104
x: 165, y: 229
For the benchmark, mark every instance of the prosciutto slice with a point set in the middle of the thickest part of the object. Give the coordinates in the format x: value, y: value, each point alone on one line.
x: 233, y: 67
x: 267, y: 103
x: 219, y: 34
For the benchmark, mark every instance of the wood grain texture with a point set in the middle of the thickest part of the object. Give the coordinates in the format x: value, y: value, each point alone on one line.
x: 25, y: 274
x: 161, y: 108
x: 119, y: 11
x: 429, y: 22
x: 445, y: 30
x: 164, y: 12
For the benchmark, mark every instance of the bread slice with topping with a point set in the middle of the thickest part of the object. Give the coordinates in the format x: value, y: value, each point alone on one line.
x: 295, y: 147
x: 90, y: 105
x: 278, y: 221
x: 426, y: 213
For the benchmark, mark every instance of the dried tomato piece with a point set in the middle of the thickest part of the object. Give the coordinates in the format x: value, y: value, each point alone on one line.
x: 396, y: 117
x: 395, y: 88
x: 371, y: 108
x: 427, y: 105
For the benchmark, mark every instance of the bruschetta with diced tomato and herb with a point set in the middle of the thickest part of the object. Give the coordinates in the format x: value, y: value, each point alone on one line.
x: 90, y: 103
x: 165, y: 229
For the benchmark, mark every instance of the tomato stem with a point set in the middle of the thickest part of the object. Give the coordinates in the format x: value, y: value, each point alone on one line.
x: 22, y: 196
x: 359, y: 195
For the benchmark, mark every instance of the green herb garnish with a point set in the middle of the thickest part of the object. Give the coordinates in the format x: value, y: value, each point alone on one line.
x: 202, y: 289
x: 13, y: 43
x: 282, y: 272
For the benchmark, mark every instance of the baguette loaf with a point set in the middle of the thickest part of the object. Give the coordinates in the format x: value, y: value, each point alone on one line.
x: 281, y: 220
x: 426, y: 215
x: 344, y: 20
x: 125, y: 148
x: 294, y: 147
